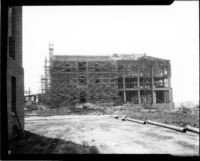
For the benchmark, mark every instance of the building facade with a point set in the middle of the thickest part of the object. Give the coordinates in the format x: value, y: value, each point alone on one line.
x: 135, y: 78
x: 15, y: 72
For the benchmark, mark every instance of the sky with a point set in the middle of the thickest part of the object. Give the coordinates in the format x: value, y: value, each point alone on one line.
x: 168, y: 32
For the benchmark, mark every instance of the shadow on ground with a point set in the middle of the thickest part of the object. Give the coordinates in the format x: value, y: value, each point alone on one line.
x: 35, y: 144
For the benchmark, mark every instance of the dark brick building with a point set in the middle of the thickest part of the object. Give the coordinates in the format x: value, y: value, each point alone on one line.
x: 15, y: 72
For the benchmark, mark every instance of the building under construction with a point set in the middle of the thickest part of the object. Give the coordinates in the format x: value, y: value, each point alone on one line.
x: 135, y: 78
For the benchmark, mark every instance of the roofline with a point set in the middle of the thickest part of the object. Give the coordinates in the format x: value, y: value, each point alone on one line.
x: 113, y: 58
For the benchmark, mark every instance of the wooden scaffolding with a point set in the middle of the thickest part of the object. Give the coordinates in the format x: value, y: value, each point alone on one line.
x: 69, y: 79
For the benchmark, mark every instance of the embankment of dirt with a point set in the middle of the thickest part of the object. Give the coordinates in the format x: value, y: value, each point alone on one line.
x: 136, y: 112
x: 173, y: 118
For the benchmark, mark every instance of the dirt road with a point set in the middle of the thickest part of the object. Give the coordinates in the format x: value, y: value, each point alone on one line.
x: 104, y: 134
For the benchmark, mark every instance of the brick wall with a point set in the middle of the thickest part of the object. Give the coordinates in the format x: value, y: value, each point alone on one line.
x: 15, y: 69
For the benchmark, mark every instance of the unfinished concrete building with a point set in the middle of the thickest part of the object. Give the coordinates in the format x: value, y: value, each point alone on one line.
x: 136, y: 78
x: 15, y: 72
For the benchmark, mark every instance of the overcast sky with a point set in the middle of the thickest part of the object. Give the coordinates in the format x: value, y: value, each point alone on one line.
x: 169, y: 32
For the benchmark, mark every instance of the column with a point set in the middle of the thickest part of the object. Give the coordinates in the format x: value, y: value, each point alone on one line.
x: 124, y: 87
x: 170, y: 95
x: 138, y: 85
x: 138, y: 82
x: 139, y: 99
x: 153, y: 91
x: 152, y: 86
x: 169, y: 82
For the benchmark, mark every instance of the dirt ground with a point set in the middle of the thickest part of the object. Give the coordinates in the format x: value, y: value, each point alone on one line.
x: 103, y: 134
